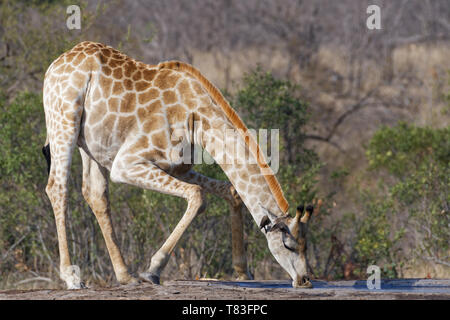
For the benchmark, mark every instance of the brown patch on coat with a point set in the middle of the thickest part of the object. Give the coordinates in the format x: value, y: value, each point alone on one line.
x: 148, y: 95
x: 258, y: 179
x: 125, y: 125
x: 105, y: 84
x: 117, y: 88
x: 58, y: 62
x: 128, y: 84
x: 253, y: 169
x: 128, y: 102
x: 97, y: 112
x: 142, y: 85
x: 149, y: 74
x: 70, y: 56
x: 114, y: 63
x: 91, y: 51
x: 185, y: 90
x: 118, y: 56
x: 145, y: 112
x: 68, y: 68
x: 58, y: 69
x: 106, y: 70
x: 137, y: 76
x: 207, y: 112
x: 88, y: 65
x: 78, y: 79
x: 154, y: 122
x: 141, y: 144
x: 175, y: 114
x: 109, y: 122
x: 130, y: 68
x: 117, y: 73
x: 191, y: 104
x: 169, y: 97
x: 159, y: 140
x: 106, y: 52
x: 166, y: 79
x: 244, y: 175
x: 79, y: 58
x: 96, y: 94
x: 197, y: 88
x: 71, y: 94
x: 114, y: 104
x: 242, y: 186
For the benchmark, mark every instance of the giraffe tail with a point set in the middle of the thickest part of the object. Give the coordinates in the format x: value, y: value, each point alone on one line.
x: 46, y: 152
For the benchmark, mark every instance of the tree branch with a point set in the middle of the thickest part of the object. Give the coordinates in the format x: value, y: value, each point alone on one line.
x: 327, y: 140
x: 358, y: 105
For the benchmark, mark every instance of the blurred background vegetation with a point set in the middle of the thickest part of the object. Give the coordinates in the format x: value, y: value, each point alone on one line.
x: 363, y: 118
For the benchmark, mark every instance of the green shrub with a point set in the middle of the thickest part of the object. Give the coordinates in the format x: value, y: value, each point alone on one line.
x: 414, y: 192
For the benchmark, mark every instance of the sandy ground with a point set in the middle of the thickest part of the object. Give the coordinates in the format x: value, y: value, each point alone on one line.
x: 246, y: 290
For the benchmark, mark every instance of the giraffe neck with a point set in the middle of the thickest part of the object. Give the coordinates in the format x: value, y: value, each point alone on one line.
x: 230, y: 150
x: 253, y: 178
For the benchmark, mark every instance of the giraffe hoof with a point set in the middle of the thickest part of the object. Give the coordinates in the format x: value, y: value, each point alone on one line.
x: 76, y: 286
x: 130, y: 281
x: 149, y: 277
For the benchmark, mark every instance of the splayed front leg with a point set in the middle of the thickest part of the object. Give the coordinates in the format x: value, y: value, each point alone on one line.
x: 149, y: 176
x: 225, y: 190
x: 157, y: 264
x: 196, y: 205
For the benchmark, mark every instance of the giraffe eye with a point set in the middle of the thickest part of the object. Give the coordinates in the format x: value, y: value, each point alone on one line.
x: 289, y: 241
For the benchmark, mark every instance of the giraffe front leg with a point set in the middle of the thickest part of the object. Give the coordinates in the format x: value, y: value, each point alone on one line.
x: 159, y: 260
x: 237, y: 244
x: 225, y: 190
x: 95, y: 192
x: 149, y: 176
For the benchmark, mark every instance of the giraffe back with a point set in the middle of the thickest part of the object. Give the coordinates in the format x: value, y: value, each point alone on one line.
x: 127, y: 105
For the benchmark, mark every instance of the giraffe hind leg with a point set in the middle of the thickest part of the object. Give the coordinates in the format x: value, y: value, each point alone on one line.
x: 95, y: 192
x: 57, y: 191
x: 62, y: 143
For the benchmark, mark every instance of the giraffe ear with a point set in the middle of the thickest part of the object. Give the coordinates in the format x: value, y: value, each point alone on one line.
x: 265, y: 221
x: 268, y: 218
x: 269, y: 214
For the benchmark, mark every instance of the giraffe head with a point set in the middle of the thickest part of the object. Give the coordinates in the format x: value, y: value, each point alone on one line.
x: 286, y: 237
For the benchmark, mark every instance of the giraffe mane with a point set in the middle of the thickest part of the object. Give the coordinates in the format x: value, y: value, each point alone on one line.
x: 234, y: 118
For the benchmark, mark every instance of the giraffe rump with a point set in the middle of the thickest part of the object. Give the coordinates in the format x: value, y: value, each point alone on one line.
x: 234, y: 118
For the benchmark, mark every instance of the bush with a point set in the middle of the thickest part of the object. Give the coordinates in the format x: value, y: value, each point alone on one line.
x: 410, y: 207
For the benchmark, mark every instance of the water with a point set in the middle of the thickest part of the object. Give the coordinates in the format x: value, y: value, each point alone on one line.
x: 397, y: 285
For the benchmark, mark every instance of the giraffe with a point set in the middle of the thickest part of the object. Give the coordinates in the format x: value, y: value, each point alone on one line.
x: 123, y: 116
